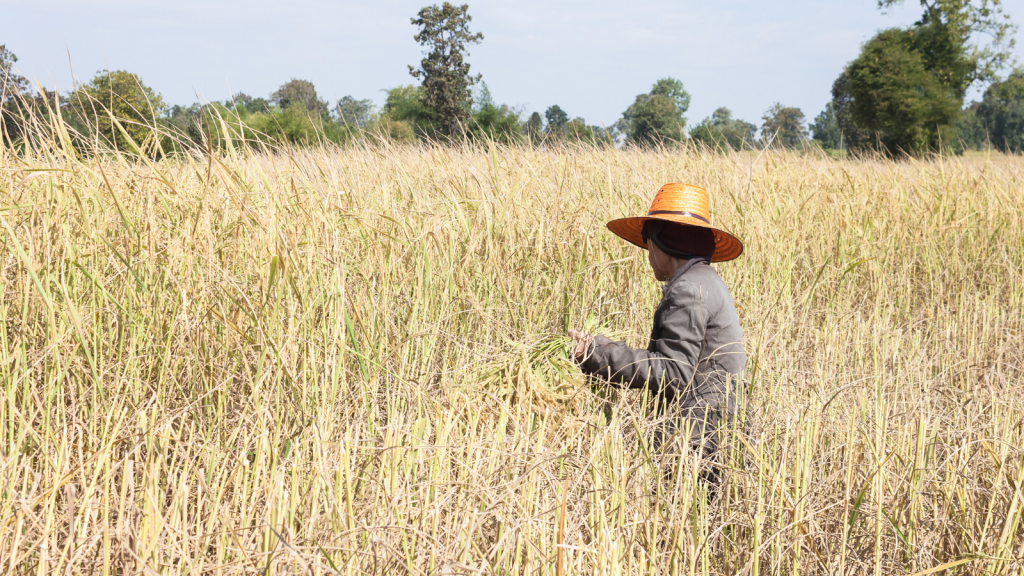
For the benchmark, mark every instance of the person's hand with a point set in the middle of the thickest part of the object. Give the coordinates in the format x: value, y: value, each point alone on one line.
x: 580, y: 344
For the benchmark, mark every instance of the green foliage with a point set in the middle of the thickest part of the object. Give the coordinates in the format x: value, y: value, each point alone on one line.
x: 673, y: 89
x: 18, y: 106
x: 943, y: 54
x: 605, y: 135
x: 1001, y: 113
x: 20, y: 113
x: 122, y: 96
x: 237, y: 120
x: 354, y: 112
x: 300, y: 92
x: 897, y: 94
x: 533, y: 129
x: 710, y: 135
x: 556, y: 121
x: 967, y: 23
x: 721, y: 131
x: 905, y: 91
x: 11, y: 83
x: 576, y: 130
x: 652, y: 120
x: 853, y: 136
x: 184, y: 122
x: 483, y: 97
x: 658, y: 116
x: 248, y: 104
x: 293, y: 124
x: 783, y: 126
x: 396, y: 130
x: 239, y: 99
x: 971, y: 130
x: 443, y: 70
x: 495, y: 122
x: 406, y: 104
x: 560, y: 128
x: 825, y: 129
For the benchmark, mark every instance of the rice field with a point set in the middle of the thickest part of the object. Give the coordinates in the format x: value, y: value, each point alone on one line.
x: 354, y: 361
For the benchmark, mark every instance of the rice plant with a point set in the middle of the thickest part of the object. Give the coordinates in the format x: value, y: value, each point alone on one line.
x: 352, y: 360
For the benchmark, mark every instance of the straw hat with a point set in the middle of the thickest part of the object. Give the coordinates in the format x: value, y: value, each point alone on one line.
x: 684, y: 204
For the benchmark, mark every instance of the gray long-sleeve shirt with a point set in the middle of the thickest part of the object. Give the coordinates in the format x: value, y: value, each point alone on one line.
x: 695, y: 358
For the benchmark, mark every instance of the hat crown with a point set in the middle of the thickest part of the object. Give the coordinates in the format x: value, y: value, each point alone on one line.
x: 682, y: 198
x: 683, y: 204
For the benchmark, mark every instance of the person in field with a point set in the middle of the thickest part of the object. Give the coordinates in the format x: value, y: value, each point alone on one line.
x: 693, y: 364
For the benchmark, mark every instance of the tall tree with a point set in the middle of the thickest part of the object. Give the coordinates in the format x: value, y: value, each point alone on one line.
x: 657, y: 116
x: 905, y: 91
x: 1001, y: 113
x: 483, y: 98
x: 825, y: 129
x: 443, y: 69
x: 14, y: 99
x: 354, y: 112
x: 534, y: 127
x: 187, y: 121
x: 673, y: 89
x: 578, y: 131
x: 492, y: 122
x: 242, y: 102
x: 11, y: 83
x: 783, y: 125
x: 722, y: 131
x: 852, y: 135
x: 301, y: 92
x: 605, y: 135
x: 971, y: 130
x: 123, y: 96
x: 557, y: 120
x: 239, y: 99
x: 968, y: 23
x: 899, y: 94
x: 20, y: 109
x: 405, y: 104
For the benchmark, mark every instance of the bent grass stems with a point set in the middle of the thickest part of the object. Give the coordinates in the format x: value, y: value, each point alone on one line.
x: 352, y: 360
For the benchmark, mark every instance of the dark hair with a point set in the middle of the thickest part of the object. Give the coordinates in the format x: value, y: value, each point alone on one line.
x: 680, y: 240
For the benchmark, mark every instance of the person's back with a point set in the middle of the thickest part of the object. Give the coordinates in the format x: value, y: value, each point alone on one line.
x: 722, y: 359
x: 695, y: 348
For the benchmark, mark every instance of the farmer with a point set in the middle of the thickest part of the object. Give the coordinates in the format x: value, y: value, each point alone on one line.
x: 694, y: 361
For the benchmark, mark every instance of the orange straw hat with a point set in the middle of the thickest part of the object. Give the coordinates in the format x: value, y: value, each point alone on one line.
x: 680, y: 204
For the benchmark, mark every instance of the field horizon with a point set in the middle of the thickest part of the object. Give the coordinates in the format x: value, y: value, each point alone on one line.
x: 349, y: 360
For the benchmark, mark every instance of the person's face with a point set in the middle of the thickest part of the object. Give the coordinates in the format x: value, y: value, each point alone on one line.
x: 663, y: 265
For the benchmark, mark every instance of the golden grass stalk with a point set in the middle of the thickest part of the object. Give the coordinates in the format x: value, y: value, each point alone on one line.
x: 352, y: 360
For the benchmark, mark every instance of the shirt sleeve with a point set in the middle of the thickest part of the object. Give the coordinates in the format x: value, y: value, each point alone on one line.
x: 672, y: 358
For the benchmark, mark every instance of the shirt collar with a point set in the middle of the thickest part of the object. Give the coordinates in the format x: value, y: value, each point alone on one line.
x: 682, y: 270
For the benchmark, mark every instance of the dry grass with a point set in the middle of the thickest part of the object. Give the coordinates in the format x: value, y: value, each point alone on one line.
x: 353, y: 361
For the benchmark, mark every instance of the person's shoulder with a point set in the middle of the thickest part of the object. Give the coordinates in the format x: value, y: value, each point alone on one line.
x: 703, y: 271
x: 683, y: 289
x: 698, y: 283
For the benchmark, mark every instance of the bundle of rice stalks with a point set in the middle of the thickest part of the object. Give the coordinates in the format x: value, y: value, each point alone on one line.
x: 538, y: 374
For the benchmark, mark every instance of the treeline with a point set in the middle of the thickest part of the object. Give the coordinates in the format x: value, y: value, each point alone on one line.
x: 124, y: 113
x: 904, y: 94
x: 121, y: 111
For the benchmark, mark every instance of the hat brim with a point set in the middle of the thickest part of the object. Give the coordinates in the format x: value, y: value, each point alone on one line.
x: 727, y: 246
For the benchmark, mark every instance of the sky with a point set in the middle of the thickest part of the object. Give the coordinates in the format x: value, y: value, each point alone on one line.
x: 590, y: 57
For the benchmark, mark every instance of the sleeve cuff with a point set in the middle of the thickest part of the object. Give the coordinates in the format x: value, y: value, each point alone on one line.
x: 593, y: 361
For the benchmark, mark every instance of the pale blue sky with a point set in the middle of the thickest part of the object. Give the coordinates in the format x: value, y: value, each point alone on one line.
x: 590, y: 57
